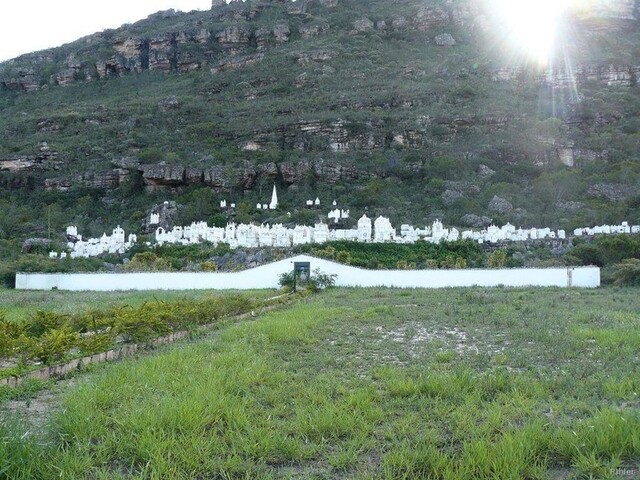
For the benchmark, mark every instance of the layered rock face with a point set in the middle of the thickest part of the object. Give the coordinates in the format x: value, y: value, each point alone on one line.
x: 26, y: 80
x: 161, y: 176
x: 223, y: 179
x: 183, y: 51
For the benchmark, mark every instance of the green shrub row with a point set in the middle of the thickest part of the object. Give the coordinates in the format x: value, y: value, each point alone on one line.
x: 461, y: 254
x: 50, y: 337
x: 605, y: 250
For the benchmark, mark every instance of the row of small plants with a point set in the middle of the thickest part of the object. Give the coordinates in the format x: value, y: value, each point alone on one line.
x: 47, y: 337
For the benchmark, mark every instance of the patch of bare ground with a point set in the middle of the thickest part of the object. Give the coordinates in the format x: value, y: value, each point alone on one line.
x: 36, y: 410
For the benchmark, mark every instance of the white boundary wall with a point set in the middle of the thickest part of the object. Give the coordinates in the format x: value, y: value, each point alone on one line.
x: 267, y: 276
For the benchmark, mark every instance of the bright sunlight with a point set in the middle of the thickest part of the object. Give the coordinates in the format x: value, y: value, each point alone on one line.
x: 532, y: 24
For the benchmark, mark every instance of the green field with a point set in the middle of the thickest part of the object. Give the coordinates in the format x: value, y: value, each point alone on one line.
x: 371, y: 383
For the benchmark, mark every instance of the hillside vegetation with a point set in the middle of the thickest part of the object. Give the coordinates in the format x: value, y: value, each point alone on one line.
x: 413, y: 109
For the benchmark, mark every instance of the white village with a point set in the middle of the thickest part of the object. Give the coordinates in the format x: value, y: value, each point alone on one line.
x: 367, y: 230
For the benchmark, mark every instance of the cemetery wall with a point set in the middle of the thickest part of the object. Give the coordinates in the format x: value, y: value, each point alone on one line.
x: 267, y: 276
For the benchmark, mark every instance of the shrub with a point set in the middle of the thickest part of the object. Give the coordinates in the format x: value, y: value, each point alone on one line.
x: 319, y: 280
x: 93, y: 344
x: 7, y: 277
x: 7, y: 345
x: 138, y: 326
x: 343, y: 257
x: 228, y: 305
x: 497, y: 259
x: 328, y: 252
x: 287, y: 281
x: 42, y: 322
x: 54, y: 344
x: 10, y: 332
x: 627, y: 272
x: 453, y: 262
x: 387, y: 255
x: 147, y: 262
x: 209, y: 266
x: 25, y: 349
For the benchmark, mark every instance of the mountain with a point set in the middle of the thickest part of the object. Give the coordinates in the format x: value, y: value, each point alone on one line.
x: 413, y: 109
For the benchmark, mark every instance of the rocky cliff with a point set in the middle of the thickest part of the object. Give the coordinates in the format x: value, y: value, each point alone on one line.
x: 217, y: 45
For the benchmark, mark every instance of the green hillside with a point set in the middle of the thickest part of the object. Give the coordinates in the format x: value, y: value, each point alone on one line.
x: 412, y: 109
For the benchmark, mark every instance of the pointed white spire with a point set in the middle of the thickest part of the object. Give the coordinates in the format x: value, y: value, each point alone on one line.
x: 274, y: 199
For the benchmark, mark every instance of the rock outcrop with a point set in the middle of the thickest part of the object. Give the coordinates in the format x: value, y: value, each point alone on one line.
x: 614, y: 192
x: 26, y: 80
x: 428, y: 18
x: 500, y: 205
x: 168, y: 214
x: 162, y: 175
x: 237, y: 62
x: 31, y: 245
x: 475, y: 221
x: 312, y: 31
x: 220, y: 178
x: 485, y: 172
x: 234, y: 35
x: 281, y: 32
x: 362, y: 25
x: 105, y: 180
x: 445, y: 40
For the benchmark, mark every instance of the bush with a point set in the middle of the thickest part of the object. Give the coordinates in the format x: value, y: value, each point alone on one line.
x: 287, y: 281
x: 607, y: 250
x: 10, y: 332
x: 54, y: 344
x: 136, y: 328
x: 42, y: 322
x: 147, y: 262
x: 319, y: 280
x: 209, y: 266
x: 627, y: 272
x: 497, y: 259
x: 93, y: 344
x: 7, y: 277
x: 343, y: 257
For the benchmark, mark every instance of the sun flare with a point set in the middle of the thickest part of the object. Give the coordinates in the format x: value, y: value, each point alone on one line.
x: 532, y: 24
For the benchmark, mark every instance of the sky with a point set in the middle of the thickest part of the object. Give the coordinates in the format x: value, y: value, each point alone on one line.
x: 31, y: 25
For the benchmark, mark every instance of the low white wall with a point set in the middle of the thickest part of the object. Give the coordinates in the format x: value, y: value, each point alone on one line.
x: 267, y: 276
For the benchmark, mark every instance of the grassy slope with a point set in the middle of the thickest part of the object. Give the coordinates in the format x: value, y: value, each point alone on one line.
x: 367, y: 383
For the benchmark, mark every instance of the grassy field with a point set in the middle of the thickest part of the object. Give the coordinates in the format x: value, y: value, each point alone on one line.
x: 374, y: 383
